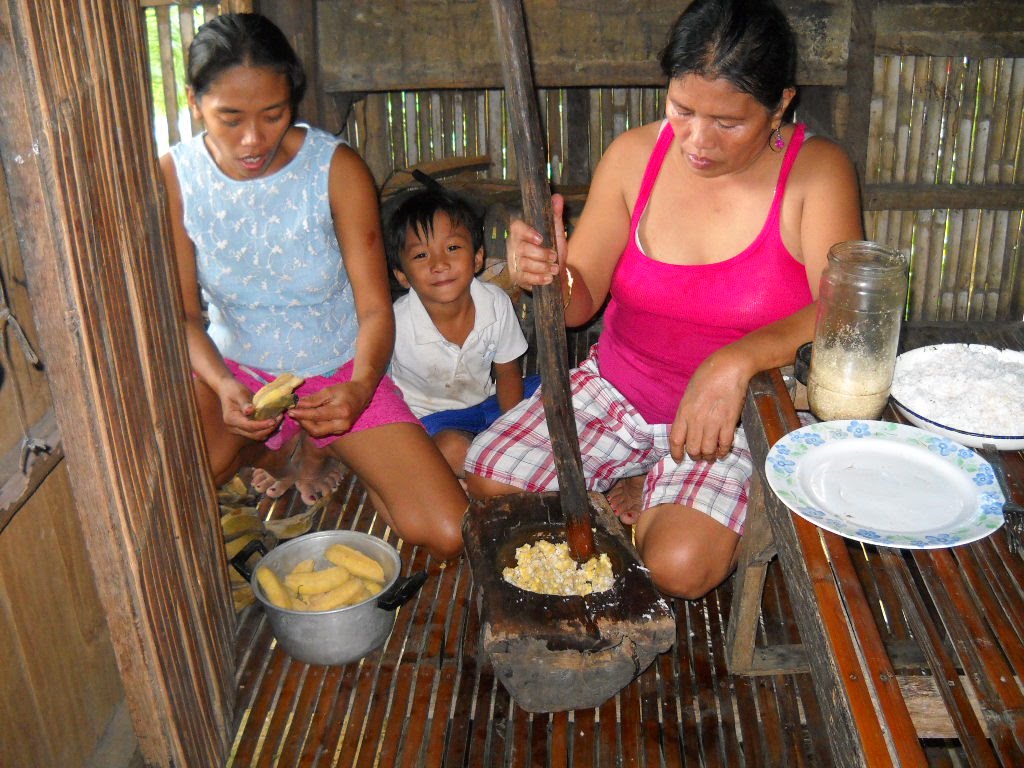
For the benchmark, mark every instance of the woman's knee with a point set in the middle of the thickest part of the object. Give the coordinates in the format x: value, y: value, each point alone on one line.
x: 687, y: 569
x: 432, y: 516
x: 689, y: 579
x: 444, y: 538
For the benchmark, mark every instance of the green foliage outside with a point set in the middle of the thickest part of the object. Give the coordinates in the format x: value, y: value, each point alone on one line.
x: 156, y: 75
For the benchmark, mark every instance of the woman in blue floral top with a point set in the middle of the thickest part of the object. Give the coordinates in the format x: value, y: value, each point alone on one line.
x: 277, y: 237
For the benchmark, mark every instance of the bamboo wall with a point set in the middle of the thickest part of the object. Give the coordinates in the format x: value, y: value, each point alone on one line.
x: 934, y: 121
x: 952, y: 122
x: 397, y: 130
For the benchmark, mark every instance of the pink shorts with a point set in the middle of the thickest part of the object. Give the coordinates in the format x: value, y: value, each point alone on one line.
x: 615, y: 442
x: 386, y: 407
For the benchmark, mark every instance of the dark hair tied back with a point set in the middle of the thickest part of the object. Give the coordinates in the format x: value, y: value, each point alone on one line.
x: 747, y: 42
x: 250, y: 39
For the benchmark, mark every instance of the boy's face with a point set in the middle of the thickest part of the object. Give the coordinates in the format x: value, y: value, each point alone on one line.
x: 439, y: 267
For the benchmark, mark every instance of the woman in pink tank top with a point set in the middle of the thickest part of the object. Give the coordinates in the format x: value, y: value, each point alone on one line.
x: 706, y: 234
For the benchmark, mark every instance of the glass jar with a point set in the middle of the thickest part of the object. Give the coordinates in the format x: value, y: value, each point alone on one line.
x: 861, y: 302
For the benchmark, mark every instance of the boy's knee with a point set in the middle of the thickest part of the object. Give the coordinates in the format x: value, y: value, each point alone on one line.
x: 453, y: 446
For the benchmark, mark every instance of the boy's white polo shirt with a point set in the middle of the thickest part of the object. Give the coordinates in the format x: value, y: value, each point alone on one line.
x: 436, y: 375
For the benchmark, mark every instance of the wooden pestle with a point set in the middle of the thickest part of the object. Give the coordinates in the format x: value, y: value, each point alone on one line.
x: 549, y: 316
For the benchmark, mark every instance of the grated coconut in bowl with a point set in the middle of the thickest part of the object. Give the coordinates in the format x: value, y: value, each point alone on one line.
x: 967, y: 387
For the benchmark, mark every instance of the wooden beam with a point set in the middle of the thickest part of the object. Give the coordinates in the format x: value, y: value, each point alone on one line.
x: 973, y: 28
x: 21, y: 474
x: 756, y: 551
x: 925, y: 197
x: 437, y: 44
x: 859, y: 84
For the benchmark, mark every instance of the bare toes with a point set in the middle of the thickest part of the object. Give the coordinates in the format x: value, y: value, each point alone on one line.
x: 626, y: 498
x: 277, y: 489
x: 261, y: 480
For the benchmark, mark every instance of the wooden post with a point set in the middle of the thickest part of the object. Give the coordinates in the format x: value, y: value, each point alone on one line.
x: 78, y: 154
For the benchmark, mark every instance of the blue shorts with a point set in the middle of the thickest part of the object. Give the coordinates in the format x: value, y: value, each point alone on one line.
x: 476, y: 418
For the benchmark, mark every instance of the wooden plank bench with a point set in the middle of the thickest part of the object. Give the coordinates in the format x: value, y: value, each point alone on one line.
x: 956, y: 613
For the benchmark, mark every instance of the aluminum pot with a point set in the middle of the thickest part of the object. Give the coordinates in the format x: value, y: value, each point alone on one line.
x: 341, y: 635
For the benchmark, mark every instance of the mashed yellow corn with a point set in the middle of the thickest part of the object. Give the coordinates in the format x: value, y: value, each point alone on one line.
x: 549, y: 569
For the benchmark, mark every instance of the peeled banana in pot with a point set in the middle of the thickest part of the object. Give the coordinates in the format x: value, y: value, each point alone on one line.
x: 276, y: 397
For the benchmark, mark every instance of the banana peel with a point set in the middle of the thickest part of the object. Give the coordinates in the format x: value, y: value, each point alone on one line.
x: 290, y: 527
x: 238, y: 521
x: 242, y: 596
x: 235, y: 492
x: 242, y: 524
x: 276, y: 397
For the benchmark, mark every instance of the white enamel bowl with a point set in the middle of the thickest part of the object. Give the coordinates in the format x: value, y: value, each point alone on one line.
x: 934, y: 422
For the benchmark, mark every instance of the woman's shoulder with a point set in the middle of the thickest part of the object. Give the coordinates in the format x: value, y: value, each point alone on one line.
x: 349, y: 164
x: 822, y: 163
x: 820, y: 152
x: 184, y: 157
x: 186, y: 150
x: 823, y: 185
x: 315, y: 136
x: 630, y: 151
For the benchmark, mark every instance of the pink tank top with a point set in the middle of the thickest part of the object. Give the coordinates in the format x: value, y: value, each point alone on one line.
x: 663, y: 320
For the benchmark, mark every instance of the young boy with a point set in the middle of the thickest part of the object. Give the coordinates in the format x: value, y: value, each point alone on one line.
x: 457, y: 339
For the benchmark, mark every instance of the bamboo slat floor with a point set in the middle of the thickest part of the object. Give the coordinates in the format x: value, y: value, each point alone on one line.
x: 429, y: 697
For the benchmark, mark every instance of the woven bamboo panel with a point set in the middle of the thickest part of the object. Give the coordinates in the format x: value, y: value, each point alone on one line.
x: 951, y: 121
x: 934, y: 121
x: 397, y: 130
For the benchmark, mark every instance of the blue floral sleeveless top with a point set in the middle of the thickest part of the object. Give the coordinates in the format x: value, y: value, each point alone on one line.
x: 268, y: 259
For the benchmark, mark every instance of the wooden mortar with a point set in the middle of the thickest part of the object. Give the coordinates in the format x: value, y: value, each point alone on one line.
x: 557, y: 653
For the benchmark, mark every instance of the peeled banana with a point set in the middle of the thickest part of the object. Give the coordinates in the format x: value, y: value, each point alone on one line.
x: 348, y: 593
x: 272, y: 587
x: 276, y: 397
x: 317, y: 581
x: 363, y: 566
x: 307, y: 588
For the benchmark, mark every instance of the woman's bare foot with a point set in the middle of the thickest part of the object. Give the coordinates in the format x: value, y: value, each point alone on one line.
x: 272, y: 485
x: 313, y: 471
x: 319, y: 475
x: 626, y: 497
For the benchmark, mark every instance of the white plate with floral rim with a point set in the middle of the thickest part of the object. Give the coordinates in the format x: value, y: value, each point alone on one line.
x: 885, y: 483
